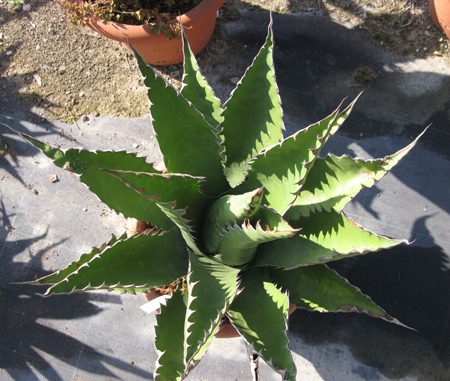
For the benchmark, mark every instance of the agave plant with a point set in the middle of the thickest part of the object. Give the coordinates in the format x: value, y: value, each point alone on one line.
x: 244, y: 220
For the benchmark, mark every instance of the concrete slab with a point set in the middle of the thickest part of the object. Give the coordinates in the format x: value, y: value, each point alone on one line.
x: 105, y: 336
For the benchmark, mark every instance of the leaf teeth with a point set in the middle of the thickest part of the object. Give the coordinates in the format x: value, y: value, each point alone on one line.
x: 315, y: 150
x: 103, y: 286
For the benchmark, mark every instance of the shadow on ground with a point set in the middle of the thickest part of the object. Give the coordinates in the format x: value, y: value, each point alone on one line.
x: 23, y: 312
x: 315, y: 62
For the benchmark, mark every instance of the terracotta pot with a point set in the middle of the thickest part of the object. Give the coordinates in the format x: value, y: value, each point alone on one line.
x: 134, y: 226
x: 440, y: 13
x: 157, y: 49
x: 227, y: 331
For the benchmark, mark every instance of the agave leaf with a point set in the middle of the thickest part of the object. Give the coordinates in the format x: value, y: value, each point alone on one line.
x: 227, y: 210
x: 324, y: 237
x: 239, y: 243
x: 212, y: 287
x: 253, y: 118
x: 139, y: 261
x: 188, y: 142
x: 177, y: 196
x: 197, y: 90
x: 337, y: 123
x: 232, y: 208
x: 183, y: 191
x: 203, y: 348
x: 177, y: 215
x: 334, y: 181
x: 260, y: 314
x: 170, y: 338
x: 60, y: 275
x: 283, y: 178
x: 110, y: 190
x: 318, y: 288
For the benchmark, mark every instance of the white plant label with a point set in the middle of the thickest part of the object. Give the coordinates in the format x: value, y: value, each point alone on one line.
x: 154, y: 304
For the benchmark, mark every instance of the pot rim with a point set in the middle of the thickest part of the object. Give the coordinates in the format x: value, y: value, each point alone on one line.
x: 120, y: 32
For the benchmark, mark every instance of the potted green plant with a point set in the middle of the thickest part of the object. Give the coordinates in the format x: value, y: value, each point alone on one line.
x: 241, y: 224
x: 151, y: 26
